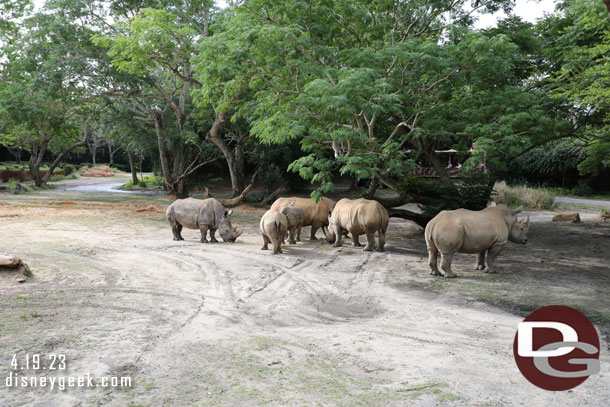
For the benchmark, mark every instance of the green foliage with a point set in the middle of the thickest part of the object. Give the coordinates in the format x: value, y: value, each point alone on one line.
x: 472, y: 192
x: 69, y: 169
x: 57, y: 178
x: 150, y: 182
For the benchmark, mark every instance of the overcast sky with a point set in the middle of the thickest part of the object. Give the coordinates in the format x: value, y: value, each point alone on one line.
x: 529, y: 10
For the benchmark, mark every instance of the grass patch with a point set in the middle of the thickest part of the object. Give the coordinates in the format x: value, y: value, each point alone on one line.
x: 56, y: 178
x: 150, y: 182
x: 526, y: 196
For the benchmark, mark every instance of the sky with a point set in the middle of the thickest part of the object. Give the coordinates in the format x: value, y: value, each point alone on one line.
x: 529, y: 10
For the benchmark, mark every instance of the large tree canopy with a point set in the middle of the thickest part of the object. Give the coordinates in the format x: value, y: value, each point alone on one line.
x: 369, y: 90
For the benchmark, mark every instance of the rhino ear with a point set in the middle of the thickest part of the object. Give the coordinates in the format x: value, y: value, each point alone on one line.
x: 227, y: 214
x: 518, y: 210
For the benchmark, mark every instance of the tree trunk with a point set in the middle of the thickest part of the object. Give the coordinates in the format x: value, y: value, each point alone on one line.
x: 36, y: 157
x: 93, y: 150
x: 132, y: 168
x: 65, y: 153
x: 16, y: 153
x: 237, y: 177
x: 111, y: 152
x: 163, y: 156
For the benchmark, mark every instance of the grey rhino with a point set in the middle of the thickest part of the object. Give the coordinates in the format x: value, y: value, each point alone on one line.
x: 294, y: 216
x: 359, y: 216
x: 202, y: 214
x: 274, y: 227
x: 484, y: 232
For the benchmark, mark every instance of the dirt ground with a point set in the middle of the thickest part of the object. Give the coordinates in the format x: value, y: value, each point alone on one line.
x: 228, y: 324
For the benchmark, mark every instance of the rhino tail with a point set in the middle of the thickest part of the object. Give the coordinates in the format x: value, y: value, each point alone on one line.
x: 428, y: 233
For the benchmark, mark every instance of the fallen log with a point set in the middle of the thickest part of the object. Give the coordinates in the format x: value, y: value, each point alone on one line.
x: 14, y: 264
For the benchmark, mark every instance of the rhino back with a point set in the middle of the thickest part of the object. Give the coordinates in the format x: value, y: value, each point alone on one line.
x: 310, y: 209
x: 272, y: 223
x: 191, y: 212
x: 360, y: 215
x: 467, y: 231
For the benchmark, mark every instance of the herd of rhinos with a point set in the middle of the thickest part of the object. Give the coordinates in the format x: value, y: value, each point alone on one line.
x: 484, y: 232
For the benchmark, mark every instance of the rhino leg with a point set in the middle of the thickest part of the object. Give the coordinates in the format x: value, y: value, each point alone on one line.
x: 446, y: 265
x: 291, y: 235
x: 212, y: 237
x: 299, y: 233
x: 356, y: 240
x: 491, y: 257
x: 433, y: 262
x: 314, y: 229
x: 204, y: 232
x: 176, y: 230
x: 339, y: 236
x: 277, y: 244
x: 266, y: 242
x: 381, y: 234
x: 370, y: 242
x: 480, y: 261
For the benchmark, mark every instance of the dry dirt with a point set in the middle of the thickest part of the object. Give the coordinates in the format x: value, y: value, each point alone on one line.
x: 229, y: 324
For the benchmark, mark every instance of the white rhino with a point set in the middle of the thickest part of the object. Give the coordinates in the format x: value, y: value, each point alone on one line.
x: 482, y: 232
x: 294, y: 216
x: 314, y: 214
x: 274, y: 227
x: 202, y: 214
x: 358, y: 216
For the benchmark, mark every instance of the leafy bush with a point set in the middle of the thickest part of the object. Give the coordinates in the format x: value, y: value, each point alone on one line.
x: 582, y: 188
x: 69, y: 169
x: 14, y: 187
x: 529, y: 197
x: 472, y: 191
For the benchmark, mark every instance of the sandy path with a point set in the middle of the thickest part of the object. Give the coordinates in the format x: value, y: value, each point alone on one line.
x: 229, y: 324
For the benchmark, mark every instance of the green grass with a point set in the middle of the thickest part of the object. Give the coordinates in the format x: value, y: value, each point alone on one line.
x: 56, y: 178
x: 150, y: 182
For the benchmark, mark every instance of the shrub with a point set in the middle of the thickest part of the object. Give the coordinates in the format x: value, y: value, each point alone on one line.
x: 529, y: 197
x: 582, y: 188
x: 472, y: 191
x: 16, y: 188
x: 69, y: 169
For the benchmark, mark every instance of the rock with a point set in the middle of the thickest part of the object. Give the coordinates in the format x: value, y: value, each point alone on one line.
x: 604, y: 214
x: 573, y: 217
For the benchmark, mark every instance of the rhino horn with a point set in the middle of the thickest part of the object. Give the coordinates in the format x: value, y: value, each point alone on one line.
x: 237, y: 232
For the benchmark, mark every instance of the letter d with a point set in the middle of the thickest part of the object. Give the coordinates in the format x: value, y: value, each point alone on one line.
x: 9, y: 380
x: 525, y: 338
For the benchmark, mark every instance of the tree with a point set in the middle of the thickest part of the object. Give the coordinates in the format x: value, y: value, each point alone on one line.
x: 157, y: 45
x: 359, y: 83
x: 578, y: 71
x: 49, y: 95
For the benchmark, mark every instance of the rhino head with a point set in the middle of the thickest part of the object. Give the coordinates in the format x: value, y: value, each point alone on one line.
x: 330, y: 235
x: 227, y: 232
x: 519, y: 228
